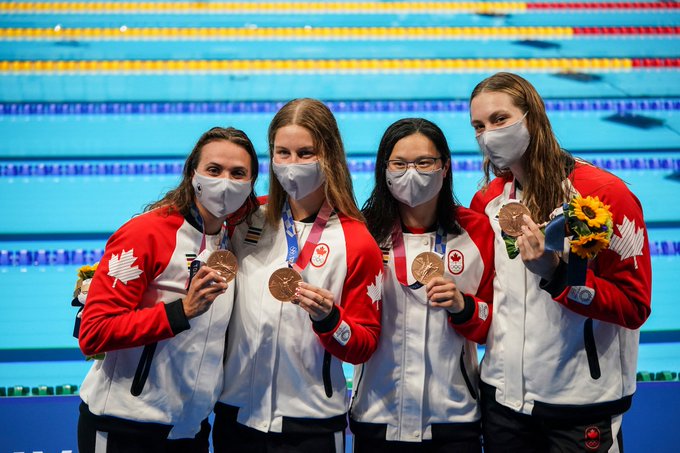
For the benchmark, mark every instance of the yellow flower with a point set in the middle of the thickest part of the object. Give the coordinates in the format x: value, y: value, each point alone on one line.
x: 590, y: 245
x: 87, y: 271
x: 591, y: 210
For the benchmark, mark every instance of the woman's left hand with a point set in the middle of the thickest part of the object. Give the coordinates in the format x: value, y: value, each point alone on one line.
x: 531, y: 246
x: 318, y: 302
x: 443, y: 292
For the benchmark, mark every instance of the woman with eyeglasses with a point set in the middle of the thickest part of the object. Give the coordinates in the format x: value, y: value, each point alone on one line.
x: 418, y: 392
x: 560, y: 363
x: 308, y: 297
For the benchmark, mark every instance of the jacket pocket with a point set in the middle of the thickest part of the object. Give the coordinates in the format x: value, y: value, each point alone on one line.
x: 591, y: 349
x: 143, y: 368
x: 326, y: 374
x: 468, y: 382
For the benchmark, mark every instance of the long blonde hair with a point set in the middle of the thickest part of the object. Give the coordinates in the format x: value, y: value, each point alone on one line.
x: 314, y: 116
x: 546, y: 164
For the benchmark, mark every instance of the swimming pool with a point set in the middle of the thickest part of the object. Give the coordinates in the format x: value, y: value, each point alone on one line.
x: 100, y: 102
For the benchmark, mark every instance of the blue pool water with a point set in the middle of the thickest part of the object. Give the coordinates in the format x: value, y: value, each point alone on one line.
x: 82, y: 153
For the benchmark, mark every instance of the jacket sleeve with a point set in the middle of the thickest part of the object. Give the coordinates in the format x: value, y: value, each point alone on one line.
x: 352, y: 329
x: 475, y: 319
x: 619, y: 279
x: 115, y: 314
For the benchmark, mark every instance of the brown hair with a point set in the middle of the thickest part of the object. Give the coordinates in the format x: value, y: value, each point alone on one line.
x: 546, y: 165
x: 181, y: 198
x: 314, y: 116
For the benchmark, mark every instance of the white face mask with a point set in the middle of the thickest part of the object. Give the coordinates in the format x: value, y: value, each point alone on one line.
x: 220, y: 196
x: 413, y: 188
x: 505, y: 146
x: 299, y: 180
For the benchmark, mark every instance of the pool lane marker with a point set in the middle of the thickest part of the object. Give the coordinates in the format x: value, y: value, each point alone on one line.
x: 623, y: 105
x: 306, y: 8
x: 59, y: 33
x: 331, y: 66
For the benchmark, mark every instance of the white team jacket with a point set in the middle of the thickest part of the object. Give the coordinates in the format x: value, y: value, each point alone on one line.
x: 275, y: 359
x: 551, y: 354
x: 185, y: 377
x: 424, y: 373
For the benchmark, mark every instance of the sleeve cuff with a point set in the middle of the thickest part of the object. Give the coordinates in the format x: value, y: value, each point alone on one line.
x: 328, y: 323
x: 558, y: 283
x: 466, y: 313
x: 176, y: 317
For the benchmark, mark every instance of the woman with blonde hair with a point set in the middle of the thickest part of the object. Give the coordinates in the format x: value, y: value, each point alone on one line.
x: 308, y: 296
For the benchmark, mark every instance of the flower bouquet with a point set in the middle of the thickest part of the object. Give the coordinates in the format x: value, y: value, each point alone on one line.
x: 589, y: 223
x: 85, y: 275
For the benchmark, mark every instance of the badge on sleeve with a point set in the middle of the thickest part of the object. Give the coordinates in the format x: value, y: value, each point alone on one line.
x: 120, y: 267
x: 581, y: 294
x: 630, y: 243
x: 374, y: 290
x: 343, y: 333
x: 483, y: 311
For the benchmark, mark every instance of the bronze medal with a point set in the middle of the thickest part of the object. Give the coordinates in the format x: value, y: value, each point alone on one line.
x: 426, y: 266
x: 283, y: 284
x: 224, y: 262
x: 510, y: 218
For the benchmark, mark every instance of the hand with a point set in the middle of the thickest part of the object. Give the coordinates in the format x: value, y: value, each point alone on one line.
x: 443, y: 292
x: 531, y: 246
x: 206, y: 285
x: 318, y: 302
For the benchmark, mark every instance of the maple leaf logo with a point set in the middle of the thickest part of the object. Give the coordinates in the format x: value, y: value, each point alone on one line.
x: 120, y: 268
x: 374, y: 290
x: 631, y: 241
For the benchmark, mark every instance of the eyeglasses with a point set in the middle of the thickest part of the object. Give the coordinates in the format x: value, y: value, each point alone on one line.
x: 422, y: 165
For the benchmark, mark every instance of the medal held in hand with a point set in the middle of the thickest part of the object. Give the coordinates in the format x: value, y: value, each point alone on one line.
x: 510, y: 218
x: 224, y: 262
x: 283, y: 284
x: 426, y: 266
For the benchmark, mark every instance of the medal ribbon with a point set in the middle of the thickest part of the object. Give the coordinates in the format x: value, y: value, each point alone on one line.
x: 224, y: 242
x: 295, y: 258
x: 400, y: 254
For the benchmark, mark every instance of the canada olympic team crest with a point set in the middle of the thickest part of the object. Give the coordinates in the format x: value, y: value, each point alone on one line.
x: 320, y: 255
x: 455, y: 262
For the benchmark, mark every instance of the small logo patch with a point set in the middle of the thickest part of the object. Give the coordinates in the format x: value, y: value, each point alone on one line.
x: 483, y: 311
x: 385, y: 255
x: 343, y: 333
x: 592, y: 438
x: 253, y: 235
x: 581, y: 294
x: 320, y: 255
x: 456, y: 262
x: 190, y: 258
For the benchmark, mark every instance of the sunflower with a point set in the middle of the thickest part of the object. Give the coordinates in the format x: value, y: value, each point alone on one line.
x: 87, y: 271
x: 590, y: 245
x: 591, y: 210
